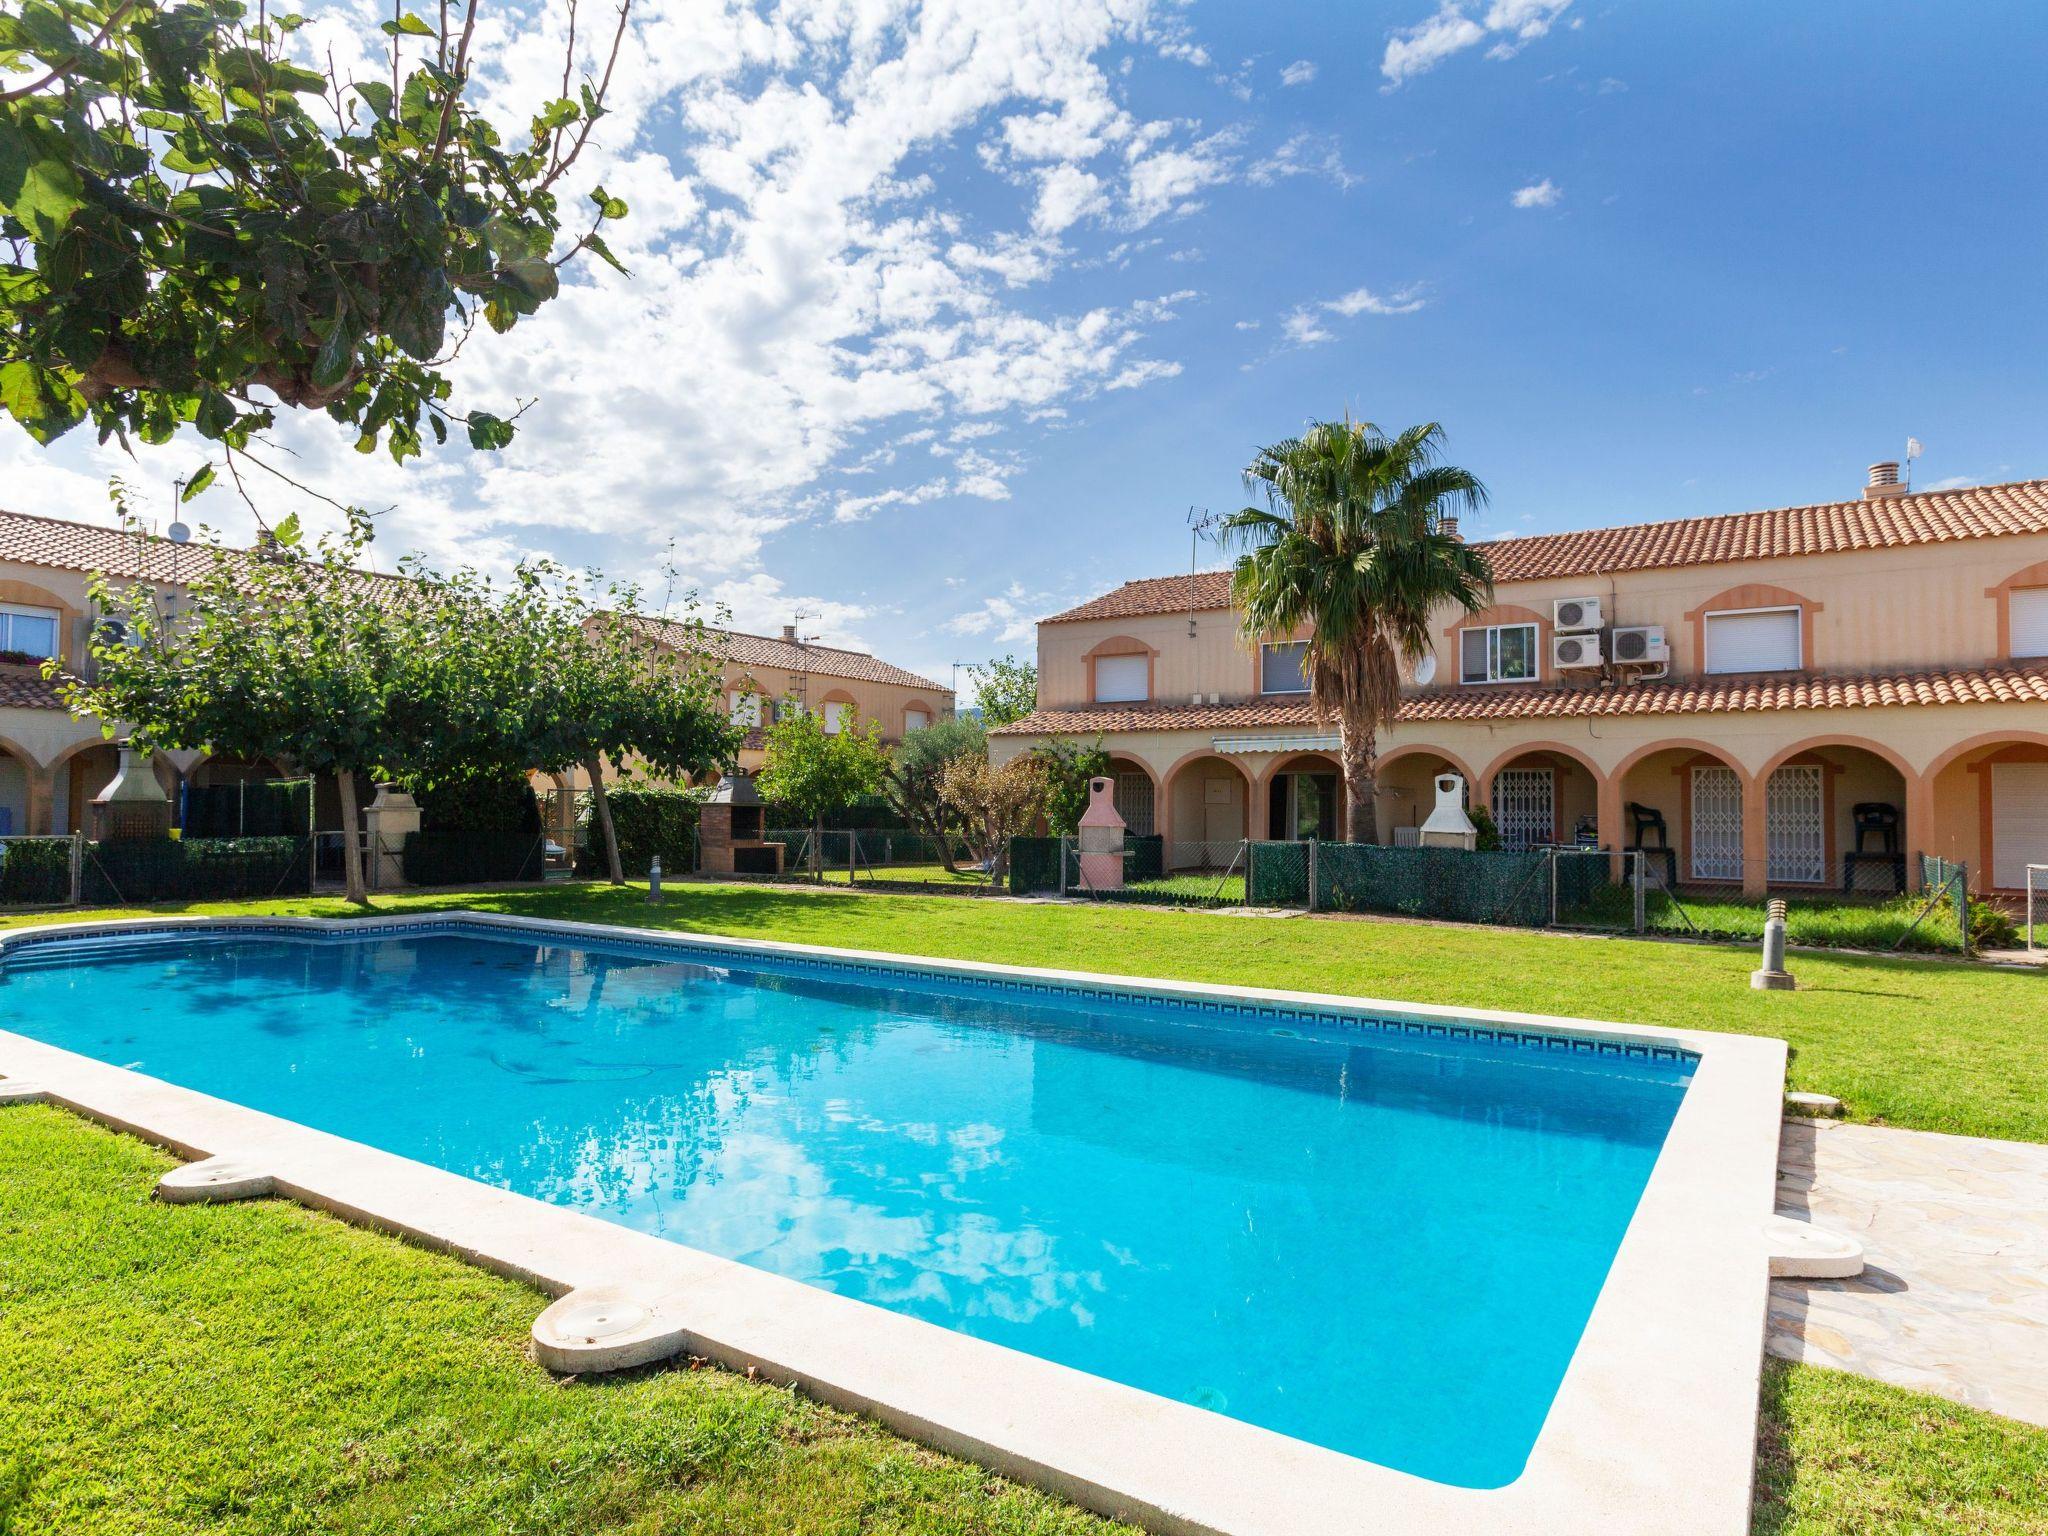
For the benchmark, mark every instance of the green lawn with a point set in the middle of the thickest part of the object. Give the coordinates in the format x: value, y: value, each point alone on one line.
x: 260, y: 1369
x: 1926, y: 1043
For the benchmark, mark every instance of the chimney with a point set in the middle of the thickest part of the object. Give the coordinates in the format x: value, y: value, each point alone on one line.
x: 1449, y: 525
x: 266, y: 544
x: 1883, y: 482
x: 789, y: 633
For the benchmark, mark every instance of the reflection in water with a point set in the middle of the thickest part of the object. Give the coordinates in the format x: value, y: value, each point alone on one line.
x: 1279, y: 1226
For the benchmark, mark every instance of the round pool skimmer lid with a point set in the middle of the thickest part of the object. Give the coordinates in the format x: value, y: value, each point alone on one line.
x: 1802, y: 1251
x: 605, y: 1328
x: 214, y: 1179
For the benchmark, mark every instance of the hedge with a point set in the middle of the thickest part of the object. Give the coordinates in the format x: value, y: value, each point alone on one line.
x: 140, y: 870
x: 35, y: 872
x: 648, y: 822
x: 473, y: 858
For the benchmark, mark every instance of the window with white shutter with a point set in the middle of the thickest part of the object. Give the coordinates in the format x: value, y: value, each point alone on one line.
x: 835, y: 717
x: 2030, y: 621
x: 1123, y: 679
x: 1754, y: 640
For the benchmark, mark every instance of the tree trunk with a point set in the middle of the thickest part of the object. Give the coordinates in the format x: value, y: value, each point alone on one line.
x: 351, y: 839
x: 818, y: 847
x: 1357, y: 749
x: 599, y: 803
x: 938, y: 830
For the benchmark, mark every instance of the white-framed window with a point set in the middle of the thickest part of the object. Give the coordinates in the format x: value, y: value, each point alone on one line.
x: 1123, y: 679
x: 1754, y: 640
x: 835, y: 716
x: 1283, y: 667
x: 744, y: 707
x: 2028, y: 618
x: 1498, y: 653
x: 916, y: 719
x: 32, y: 631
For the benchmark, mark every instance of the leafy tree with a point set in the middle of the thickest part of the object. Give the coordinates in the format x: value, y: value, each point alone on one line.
x: 915, y: 768
x: 1005, y: 690
x: 993, y: 804
x: 1068, y: 766
x: 816, y: 771
x: 292, y: 655
x: 197, y: 212
x: 1355, y: 545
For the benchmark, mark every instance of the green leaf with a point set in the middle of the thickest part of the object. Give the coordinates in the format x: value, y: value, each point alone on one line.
x: 337, y: 350
x: 408, y: 25
x: 376, y: 93
x: 487, y: 431
x: 196, y: 484
x: 595, y: 243
x: 45, y: 402
x: 216, y: 414
x: 39, y: 186
x: 288, y: 531
x: 611, y: 207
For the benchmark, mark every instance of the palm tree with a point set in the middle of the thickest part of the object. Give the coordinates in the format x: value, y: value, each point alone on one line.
x: 1356, y: 543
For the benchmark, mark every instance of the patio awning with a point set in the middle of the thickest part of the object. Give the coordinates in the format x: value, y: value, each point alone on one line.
x: 1279, y: 741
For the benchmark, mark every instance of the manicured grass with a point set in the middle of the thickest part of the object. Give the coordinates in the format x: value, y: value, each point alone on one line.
x: 1839, y: 1455
x: 1930, y: 1044
x: 255, y: 1369
x: 930, y: 874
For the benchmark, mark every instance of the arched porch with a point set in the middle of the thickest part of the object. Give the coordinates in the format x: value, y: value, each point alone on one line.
x: 1687, y: 805
x: 19, y: 779
x: 1543, y: 794
x: 1986, y: 801
x: 1405, y: 791
x: 1208, y: 799
x: 1135, y: 794
x: 1301, y: 796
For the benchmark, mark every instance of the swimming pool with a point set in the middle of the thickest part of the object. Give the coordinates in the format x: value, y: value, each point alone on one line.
x: 1379, y: 1234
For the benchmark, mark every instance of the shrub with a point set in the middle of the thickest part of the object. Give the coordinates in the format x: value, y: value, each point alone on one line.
x: 141, y: 870
x: 649, y: 822
x: 473, y: 858
x: 35, y: 872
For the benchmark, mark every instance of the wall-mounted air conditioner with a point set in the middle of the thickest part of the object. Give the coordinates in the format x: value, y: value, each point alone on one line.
x: 1641, y: 645
x: 1568, y: 652
x: 1576, y: 613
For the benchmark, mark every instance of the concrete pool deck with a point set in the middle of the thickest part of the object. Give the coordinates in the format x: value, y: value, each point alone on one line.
x: 1954, y: 1296
x: 1652, y: 1428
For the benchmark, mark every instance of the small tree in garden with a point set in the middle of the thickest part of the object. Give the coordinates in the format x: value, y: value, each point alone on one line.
x: 993, y: 804
x: 289, y: 655
x: 1068, y: 766
x: 916, y: 768
x: 816, y: 771
x: 1006, y: 690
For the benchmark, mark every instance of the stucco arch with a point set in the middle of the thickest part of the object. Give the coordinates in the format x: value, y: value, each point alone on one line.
x: 1680, y: 744
x: 1840, y: 739
x: 21, y: 754
x: 1561, y: 749
x: 1413, y: 749
x: 2008, y: 738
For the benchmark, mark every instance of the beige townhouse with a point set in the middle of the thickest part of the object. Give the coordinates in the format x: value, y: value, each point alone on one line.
x: 51, y: 765
x: 1800, y: 699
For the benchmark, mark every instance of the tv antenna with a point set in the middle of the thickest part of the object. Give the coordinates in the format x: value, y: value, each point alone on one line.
x: 1200, y: 521
x: 1913, y: 451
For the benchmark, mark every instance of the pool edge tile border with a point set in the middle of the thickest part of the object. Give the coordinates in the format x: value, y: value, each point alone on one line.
x: 1652, y: 1429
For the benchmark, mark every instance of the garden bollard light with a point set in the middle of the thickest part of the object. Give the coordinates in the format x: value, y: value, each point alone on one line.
x: 654, y: 882
x: 1772, y: 975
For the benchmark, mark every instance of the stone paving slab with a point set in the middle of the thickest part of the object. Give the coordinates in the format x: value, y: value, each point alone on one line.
x: 1954, y: 1298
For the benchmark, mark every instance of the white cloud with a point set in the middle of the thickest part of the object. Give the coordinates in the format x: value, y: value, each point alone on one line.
x: 1306, y: 154
x: 1511, y: 24
x: 1300, y: 72
x: 1538, y: 194
x: 1307, y: 325
x: 1008, y: 616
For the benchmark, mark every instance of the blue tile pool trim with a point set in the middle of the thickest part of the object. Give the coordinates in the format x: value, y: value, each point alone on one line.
x: 1233, y: 1010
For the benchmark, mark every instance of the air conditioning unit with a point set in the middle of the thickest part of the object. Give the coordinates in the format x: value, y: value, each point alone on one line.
x: 1568, y: 652
x: 1576, y: 613
x: 1641, y: 645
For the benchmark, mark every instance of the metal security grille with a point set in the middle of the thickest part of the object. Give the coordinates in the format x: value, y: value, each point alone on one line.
x: 1133, y: 798
x: 1523, y: 806
x: 1716, y: 824
x: 1795, y: 828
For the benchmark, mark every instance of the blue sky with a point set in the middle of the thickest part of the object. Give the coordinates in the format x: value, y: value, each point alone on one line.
x: 943, y: 317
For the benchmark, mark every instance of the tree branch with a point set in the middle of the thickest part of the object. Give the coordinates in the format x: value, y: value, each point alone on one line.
x: 61, y: 71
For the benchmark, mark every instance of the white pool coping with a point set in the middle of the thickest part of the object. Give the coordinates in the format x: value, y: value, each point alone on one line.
x: 1652, y: 1430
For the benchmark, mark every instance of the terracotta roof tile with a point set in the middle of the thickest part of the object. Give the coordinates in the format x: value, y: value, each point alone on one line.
x: 60, y: 545
x: 2023, y: 682
x: 1928, y: 517
x: 747, y: 650
x: 26, y: 690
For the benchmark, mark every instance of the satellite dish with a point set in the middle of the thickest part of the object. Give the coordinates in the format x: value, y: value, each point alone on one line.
x: 1425, y: 671
x: 180, y: 534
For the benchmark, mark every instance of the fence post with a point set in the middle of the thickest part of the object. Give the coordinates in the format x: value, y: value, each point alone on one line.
x: 1552, y: 871
x: 1636, y: 881
x: 1063, y: 866
x: 77, y: 869
x: 1962, y: 878
x: 1312, y: 873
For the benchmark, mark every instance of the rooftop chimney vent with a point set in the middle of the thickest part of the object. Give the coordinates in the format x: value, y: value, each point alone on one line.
x: 789, y: 630
x: 1884, y: 481
x: 1450, y: 526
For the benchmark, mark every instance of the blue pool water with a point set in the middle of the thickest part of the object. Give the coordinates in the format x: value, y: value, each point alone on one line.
x: 1384, y: 1243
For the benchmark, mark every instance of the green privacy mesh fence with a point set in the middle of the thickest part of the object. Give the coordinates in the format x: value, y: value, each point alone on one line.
x: 1277, y: 875
x: 1034, y: 865
x: 139, y: 870
x: 271, y: 808
x: 1444, y: 883
x: 35, y: 871
x: 473, y: 858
